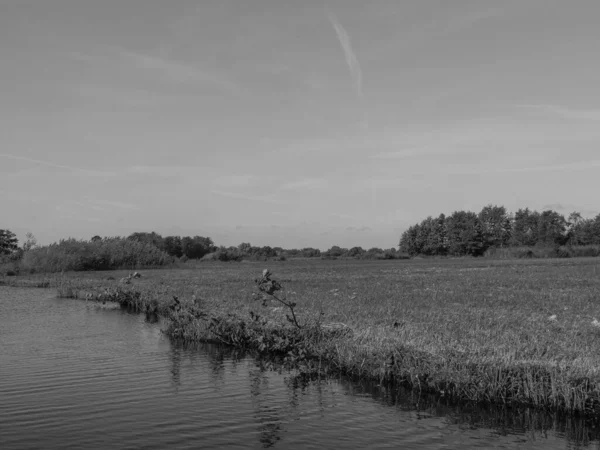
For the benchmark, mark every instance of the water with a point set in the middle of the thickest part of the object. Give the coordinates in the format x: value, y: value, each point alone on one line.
x: 77, y: 375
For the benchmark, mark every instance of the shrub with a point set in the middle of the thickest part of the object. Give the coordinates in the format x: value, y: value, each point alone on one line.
x: 104, y: 254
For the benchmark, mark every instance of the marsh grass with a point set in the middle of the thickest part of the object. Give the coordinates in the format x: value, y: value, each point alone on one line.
x: 514, y: 331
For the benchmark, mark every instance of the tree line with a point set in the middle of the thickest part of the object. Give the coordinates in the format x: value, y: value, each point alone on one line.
x: 150, y: 249
x: 467, y: 233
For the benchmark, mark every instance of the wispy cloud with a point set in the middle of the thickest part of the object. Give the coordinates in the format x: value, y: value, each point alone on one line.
x: 401, y: 154
x: 111, y: 204
x: 254, y: 198
x: 243, y: 180
x: 565, y: 112
x: 175, y: 72
x: 58, y: 166
x: 305, y: 184
x: 358, y: 229
x: 581, y: 165
x: 351, y: 59
x: 73, y: 211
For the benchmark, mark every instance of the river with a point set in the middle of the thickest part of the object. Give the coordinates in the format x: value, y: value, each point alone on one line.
x: 78, y: 375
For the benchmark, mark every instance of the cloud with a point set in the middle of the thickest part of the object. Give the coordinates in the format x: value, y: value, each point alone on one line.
x: 359, y: 230
x: 565, y: 112
x: 126, y: 96
x: 243, y: 180
x: 257, y: 198
x: 305, y: 184
x: 351, y: 59
x: 401, y: 154
x: 581, y: 165
x: 169, y: 70
x: 110, y: 203
x: 59, y: 166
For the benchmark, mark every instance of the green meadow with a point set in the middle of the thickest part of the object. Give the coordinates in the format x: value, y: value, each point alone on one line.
x: 501, y: 331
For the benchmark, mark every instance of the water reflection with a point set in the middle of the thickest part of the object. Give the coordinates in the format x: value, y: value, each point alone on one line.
x: 106, y: 369
x: 501, y: 420
x: 273, y: 415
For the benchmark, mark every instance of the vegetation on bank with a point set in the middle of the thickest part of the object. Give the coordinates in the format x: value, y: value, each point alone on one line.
x: 519, y: 331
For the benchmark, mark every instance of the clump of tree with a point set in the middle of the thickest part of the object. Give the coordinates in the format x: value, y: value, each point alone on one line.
x: 9, y: 243
x: 337, y: 252
x: 96, y: 254
x: 466, y: 233
x: 186, y: 247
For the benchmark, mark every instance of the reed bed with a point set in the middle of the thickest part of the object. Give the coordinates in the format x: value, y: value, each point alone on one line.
x: 525, y: 331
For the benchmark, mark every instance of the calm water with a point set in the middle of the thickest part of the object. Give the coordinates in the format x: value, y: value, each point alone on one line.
x: 77, y: 375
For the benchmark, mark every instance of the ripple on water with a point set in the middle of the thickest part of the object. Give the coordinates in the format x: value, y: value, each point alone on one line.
x: 73, y: 375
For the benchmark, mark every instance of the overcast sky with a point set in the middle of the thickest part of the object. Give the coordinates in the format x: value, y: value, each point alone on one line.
x: 293, y: 122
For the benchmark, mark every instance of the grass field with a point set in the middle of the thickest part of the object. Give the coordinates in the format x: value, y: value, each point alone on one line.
x: 525, y: 331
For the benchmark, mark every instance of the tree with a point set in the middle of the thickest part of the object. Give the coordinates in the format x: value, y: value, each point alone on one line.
x: 496, y: 225
x: 356, y: 252
x: 8, y: 242
x: 197, y: 247
x: 148, y: 238
x: 245, y: 248
x: 552, y: 228
x: 525, y: 228
x: 173, y: 246
x: 465, y: 234
x: 30, y: 242
x: 335, y: 252
x: 409, y: 241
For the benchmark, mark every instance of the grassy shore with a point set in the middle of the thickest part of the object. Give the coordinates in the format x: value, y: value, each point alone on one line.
x: 524, y: 331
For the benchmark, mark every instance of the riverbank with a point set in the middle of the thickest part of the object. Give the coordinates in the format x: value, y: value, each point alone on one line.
x: 524, y: 332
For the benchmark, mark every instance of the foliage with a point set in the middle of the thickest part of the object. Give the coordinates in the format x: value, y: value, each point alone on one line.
x: 191, y: 247
x: 105, y: 254
x: 465, y: 233
x: 269, y: 286
x: 30, y: 242
x: 8, y: 242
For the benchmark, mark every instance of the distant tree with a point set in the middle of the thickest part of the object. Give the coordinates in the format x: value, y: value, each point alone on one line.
x: 356, y: 252
x: 552, y: 228
x: 409, y: 241
x: 8, y: 242
x: 465, y: 234
x: 432, y: 236
x: 591, y: 231
x: 245, y: 248
x: 335, y: 252
x: 292, y: 252
x: 582, y: 231
x: 426, y: 237
x: 30, y: 242
x: 267, y: 252
x: 525, y: 228
x: 496, y: 226
x: 148, y: 238
x: 197, y: 247
x: 172, y: 246
x: 309, y: 252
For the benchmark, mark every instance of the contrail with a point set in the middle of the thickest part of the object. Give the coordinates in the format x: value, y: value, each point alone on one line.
x: 351, y: 59
x: 49, y: 164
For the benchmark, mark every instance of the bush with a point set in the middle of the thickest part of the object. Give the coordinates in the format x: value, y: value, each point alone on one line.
x: 585, y: 250
x: 104, y: 254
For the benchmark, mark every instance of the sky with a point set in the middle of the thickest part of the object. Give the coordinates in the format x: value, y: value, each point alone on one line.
x: 293, y: 123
